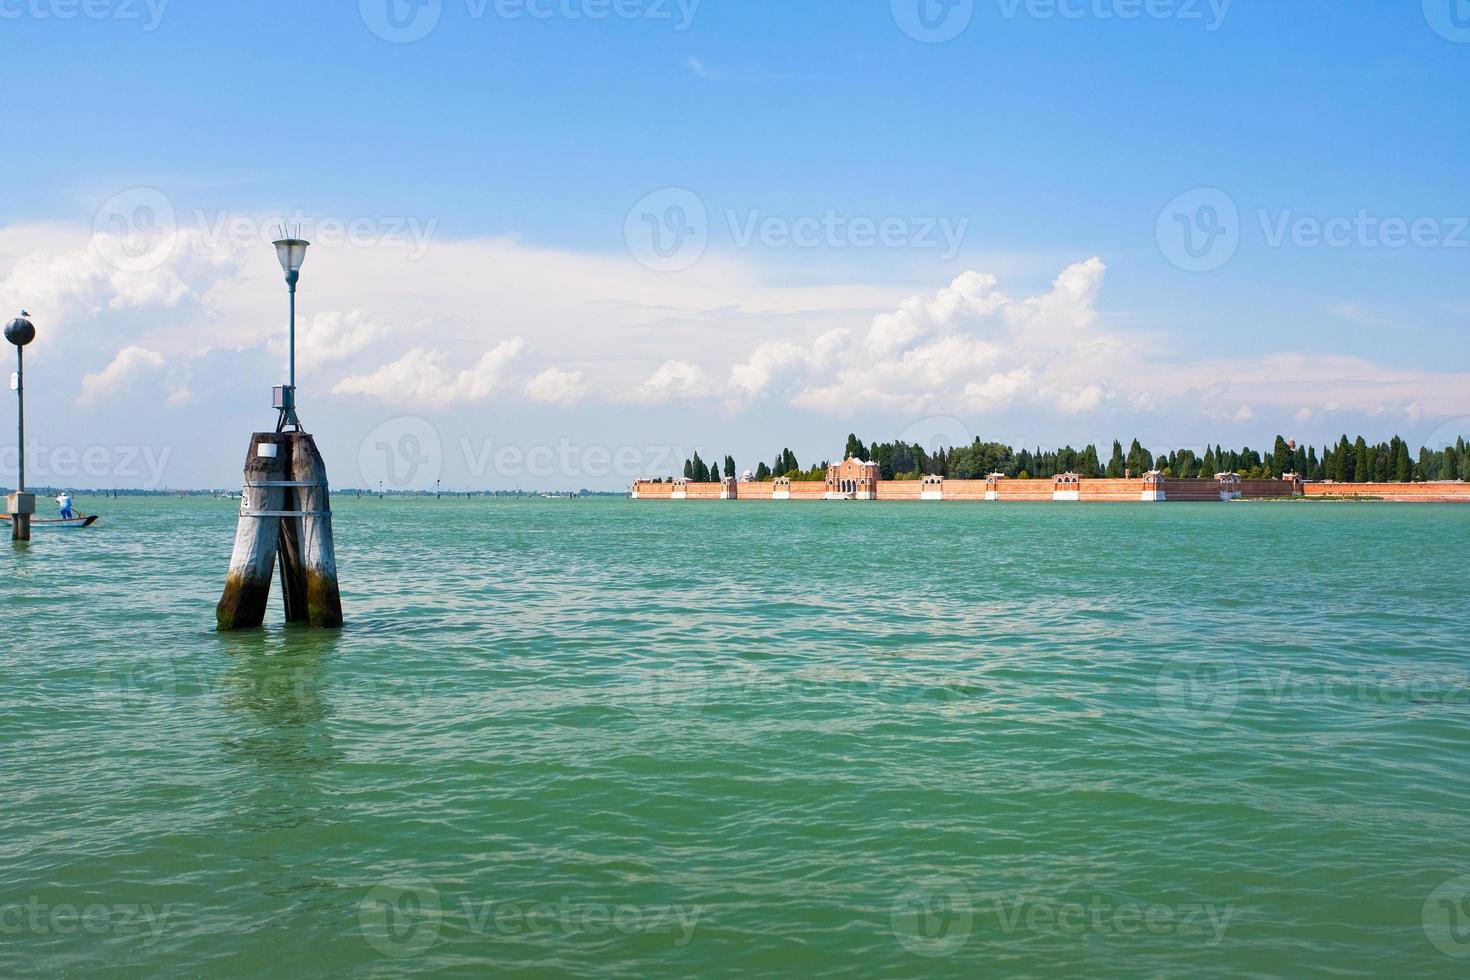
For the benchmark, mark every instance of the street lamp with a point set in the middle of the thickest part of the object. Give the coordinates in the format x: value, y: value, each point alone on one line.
x: 292, y: 253
x: 21, y: 505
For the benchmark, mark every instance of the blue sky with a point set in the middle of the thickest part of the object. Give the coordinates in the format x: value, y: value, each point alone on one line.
x: 493, y: 168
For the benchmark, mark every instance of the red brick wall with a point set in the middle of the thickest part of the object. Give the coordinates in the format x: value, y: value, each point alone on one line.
x: 703, y: 491
x: 1026, y: 489
x: 1265, y: 488
x: 755, y: 491
x: 806, y: 490
x: 900, y: 489
x: 964, y: 489
x: 1458, y: 492
x: 1112, y: 490
x: 655, y: 490
x: 1197, y: 490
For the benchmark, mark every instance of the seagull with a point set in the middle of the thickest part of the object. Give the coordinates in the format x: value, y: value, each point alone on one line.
x: 25, y: 312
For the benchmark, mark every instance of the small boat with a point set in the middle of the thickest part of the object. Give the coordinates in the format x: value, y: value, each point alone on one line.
x: 56, y: 524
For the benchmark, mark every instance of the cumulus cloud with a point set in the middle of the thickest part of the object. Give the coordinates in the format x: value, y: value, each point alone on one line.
x: 969, y: 347
x: 557, y: 387
x: 421, y: 377
x: 724, y: 332
x: 134, y: 371
x: 328, y: 338
x: 96, y: 277
x: 673, y: 379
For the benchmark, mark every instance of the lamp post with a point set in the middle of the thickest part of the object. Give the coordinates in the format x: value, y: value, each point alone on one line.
x: 20, y: 505
x: 292, y: 253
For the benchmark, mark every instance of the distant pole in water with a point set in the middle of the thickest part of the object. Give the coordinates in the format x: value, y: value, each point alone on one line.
x: 20, y: 505
x: 285, y: 511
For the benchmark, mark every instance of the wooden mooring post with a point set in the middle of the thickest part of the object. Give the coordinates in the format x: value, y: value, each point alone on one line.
x: 285, y: 518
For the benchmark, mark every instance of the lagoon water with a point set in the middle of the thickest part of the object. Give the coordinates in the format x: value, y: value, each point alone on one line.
x: 612, y: 738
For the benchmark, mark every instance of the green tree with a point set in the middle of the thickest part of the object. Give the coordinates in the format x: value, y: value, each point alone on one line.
x: 1281, y: 458
x: 763, y: 473
x: 855, y: 448
x: 730, y: 465
x: 1362, y: 461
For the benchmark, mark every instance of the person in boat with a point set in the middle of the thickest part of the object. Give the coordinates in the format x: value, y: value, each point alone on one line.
x: 63, y: 500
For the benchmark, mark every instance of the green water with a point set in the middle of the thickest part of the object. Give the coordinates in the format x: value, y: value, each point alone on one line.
x: 631, y: 739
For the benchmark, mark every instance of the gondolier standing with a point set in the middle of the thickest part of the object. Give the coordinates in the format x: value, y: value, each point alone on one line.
x: 63, y: 500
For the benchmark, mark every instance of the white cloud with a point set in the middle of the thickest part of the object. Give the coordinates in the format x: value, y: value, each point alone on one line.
x: 727, y: 331
x: 328, y: 338
x: 673, y: 379
x: 557, y: 387
x: 699, y: 68
x: 134, y: 371
x: 421, y: 378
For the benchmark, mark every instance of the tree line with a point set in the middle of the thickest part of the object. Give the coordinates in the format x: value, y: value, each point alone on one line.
x: 1355, y: 461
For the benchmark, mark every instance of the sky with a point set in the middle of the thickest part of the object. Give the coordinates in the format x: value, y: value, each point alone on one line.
x: 565, y: 243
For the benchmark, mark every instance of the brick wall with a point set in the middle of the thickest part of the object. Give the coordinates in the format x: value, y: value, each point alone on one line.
x: 1196, y: 490
x: 1026, y: 489
x: 1265, y: 488
x: 1105, y: 490
x: 1091, y: 490
x: 703, y: 491
x: 1456, y: 492
x: 964, y: 489
x: 901, y: 489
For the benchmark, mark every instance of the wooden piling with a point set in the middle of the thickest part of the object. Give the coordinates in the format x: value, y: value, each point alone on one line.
x: 248, y: 586
x: 20, y: 507
x: 285, y: 516
x: 317, y: 555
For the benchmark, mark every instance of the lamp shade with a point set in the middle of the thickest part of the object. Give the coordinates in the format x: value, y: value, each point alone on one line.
x: 291, y: 252
x: 20, y: 331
